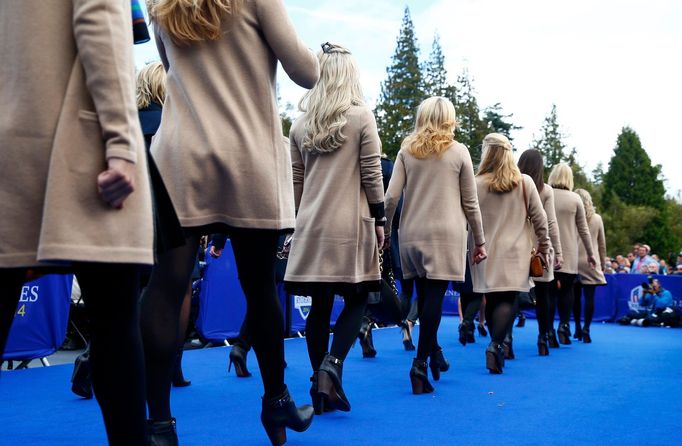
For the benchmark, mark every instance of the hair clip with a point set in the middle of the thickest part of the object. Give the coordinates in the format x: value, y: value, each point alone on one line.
x: 327, y: 47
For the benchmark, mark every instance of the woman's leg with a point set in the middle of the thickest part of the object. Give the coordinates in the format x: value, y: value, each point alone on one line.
x: 111, y: 296
x: 565, y: 297
x: 255, y: 253
x: 348, y: 324
x: 553, y: 302
x: 317, y: 328
x: 590, y: 290
x: 499, y: 314
x: 577, y: 307
x: 430, y: 294
x: 406, y: 292
x: 542, y: 310
x: 159, y: 321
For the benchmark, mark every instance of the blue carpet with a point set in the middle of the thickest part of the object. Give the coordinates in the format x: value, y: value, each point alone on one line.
x: 624, y: 389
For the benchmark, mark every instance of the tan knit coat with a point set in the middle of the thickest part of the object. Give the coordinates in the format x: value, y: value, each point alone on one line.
x: 219, y: 146
x: 67, y: 83
x: 509, y: 242
x: 587, y: 274
x: 573, y: 229
x: 547, y: 198
x: 439, y: 199
x: 335, y: 239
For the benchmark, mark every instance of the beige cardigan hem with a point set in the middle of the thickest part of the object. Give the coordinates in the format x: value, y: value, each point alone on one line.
x: 255, y: 223
x: 99, y: 254
x: 332, y: 279
x: 451, y: 278
x: 502, y: 289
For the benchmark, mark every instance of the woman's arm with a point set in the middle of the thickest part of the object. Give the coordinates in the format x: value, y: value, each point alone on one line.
x: 537, y: 216
x: 469, y: 197
x: 394, y: 191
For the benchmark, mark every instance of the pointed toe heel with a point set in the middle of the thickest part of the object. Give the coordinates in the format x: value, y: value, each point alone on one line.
x: 419, y: 378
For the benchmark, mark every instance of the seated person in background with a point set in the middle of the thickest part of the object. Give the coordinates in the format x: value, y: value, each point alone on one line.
x: 657, y: 303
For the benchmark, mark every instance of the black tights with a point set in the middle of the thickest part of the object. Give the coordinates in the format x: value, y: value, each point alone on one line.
x: 542, y: 307
x: 255, y: 255
x: 588, y: 291
x: 345, y: 330
x: 430, y: 294
x: 565, y: 295
x: 110, y: 293
x: 499, y: 313
x: 407, y: 305
x: 471, y: 305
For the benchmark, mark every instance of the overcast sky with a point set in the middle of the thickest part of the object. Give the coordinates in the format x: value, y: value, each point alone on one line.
x: 604, y: 63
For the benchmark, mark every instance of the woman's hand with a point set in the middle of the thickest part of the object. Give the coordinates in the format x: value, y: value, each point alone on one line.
x: 479, y: 254
x: 380, y: 236
x: 592, y: 261
x: 215, y: 252
x: 558, y: 262
x: 117, y: 182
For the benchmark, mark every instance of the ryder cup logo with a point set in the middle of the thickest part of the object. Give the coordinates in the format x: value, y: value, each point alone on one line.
x: 635, y: 295
x: 302, y: 304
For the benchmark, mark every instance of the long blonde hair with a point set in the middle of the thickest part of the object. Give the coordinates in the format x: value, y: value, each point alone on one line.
x: 188, y: 21
x: 151, y: 85
x: 433, y: 129
x: 327, y: 103
x: 561, y: 177
x: 498, y: 161
x: 587, y: 202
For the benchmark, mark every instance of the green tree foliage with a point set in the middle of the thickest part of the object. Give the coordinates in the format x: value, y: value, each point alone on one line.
x: 435, y: 75
x: 551, y: 141
x: 401, y: 92
x: 497, y: 121
x: 472, y: 128
x: 624, y: 224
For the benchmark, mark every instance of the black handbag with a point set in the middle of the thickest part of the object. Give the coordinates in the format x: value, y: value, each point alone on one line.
x: 81, y: 379
x: 385, y: 304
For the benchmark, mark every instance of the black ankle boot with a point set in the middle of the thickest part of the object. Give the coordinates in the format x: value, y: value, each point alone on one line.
x: 329, y: 385
x: 553, y: 341
x: 578, y: 334
x: 407, y: 336
x: 564, y: 333
x: 494, y: 358
x: 481, y: 330
x: 543, y: 345
x: 178, y: 377
x: 162, y: 433
x: 438, y: 364
x: 280, y: 413
x: 238, y: 358
x: 419, y: 378
x: 507, y: 347
x: 464, y: 328
x: 366, y: 340
x: 587, y: 339
x: 522, y: 320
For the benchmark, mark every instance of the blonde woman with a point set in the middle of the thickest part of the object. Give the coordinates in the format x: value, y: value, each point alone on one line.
x: 219, y: 150
x: 532, y: 163
x: 436, y: 177
x: 507, y: 199
x: 589, y: 278
x: 573, y: 230
x: 335, y: 152
x: 74, y: 186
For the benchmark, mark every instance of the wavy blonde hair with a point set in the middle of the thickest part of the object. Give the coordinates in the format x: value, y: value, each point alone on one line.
x: 498, y: 162
x: 434, y: 128
x: 327, y: 103
x: 151, y: 85
x: 189, y: 21
x: 587, y: 202
x: 561, y: 177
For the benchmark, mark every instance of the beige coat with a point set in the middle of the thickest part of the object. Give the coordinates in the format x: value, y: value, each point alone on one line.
x: 509, y: 242
x: 67, y: 89
x: 335, y: 239
x: 587, y: 274
x: 547, y: 198
x: 440, y: 198
x: 219, y: 145
x: 570, y: 214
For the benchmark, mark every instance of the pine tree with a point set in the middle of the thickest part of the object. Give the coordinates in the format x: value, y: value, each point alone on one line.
x: 401, y: 92
x: 497, y: 121
x: 551, y: 141
x: 472, y: 129
x: 435, y: 74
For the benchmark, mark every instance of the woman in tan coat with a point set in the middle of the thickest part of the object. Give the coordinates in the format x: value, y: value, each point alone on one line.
x: 531, y: 163
x: 436, y: 176
x: 503, y: 193
x: 220, y: 154
x: 573, y: 230
x: 73, y: 182
x: 338, y: 189
x: 589, y: 278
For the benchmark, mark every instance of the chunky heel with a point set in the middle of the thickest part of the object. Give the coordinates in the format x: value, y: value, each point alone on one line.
x: 508, y: 348
x: 366, y: 340
x: 280, y: 413
x: 494, y: 358
x: 329, y: 385
x: 543, y: 345
x: 587, y: 339
x: 419, y: 379
x: 407, y: 336
x: 553, y: 341
x: 277, y: 435
x: 564, y: 334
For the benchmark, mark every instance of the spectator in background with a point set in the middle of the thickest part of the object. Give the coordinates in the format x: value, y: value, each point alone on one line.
x: 651, y: 268
x: 641, y: 260
x: 664, y: 268
x: 631, y: 257
x: 678, y: 270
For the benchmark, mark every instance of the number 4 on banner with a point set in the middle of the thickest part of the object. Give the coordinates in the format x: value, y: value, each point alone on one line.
x: 22, y: 310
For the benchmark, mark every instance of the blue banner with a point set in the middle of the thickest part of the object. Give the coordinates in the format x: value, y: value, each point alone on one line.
x: 39, y: 325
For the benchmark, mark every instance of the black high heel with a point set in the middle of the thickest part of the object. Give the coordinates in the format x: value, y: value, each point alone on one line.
x: 438, y: 364
x: 508, y: 348
x: 494, y: 358
x: 587, y: 339
x: 564, y: 333
x: 407, y: 336
x: 178, y: 377
x: 464, y: 331
x: 366, y: 340
x: 419, y: 379
x: 553, y: 341
x: 481, y: 330
x: 161, y: 433
x: 578, y: 334
x: 522, y: 320
x: 329, y: 385
x: 238, y: 358
x: 280, y: 413
x: 543, y: 345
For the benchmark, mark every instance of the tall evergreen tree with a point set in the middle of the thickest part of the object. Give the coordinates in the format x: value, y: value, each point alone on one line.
x: 472, y: 128
x: 435, y: 74
x: 497, y: 121
x: 401, y: 92
x: 551, y: 141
